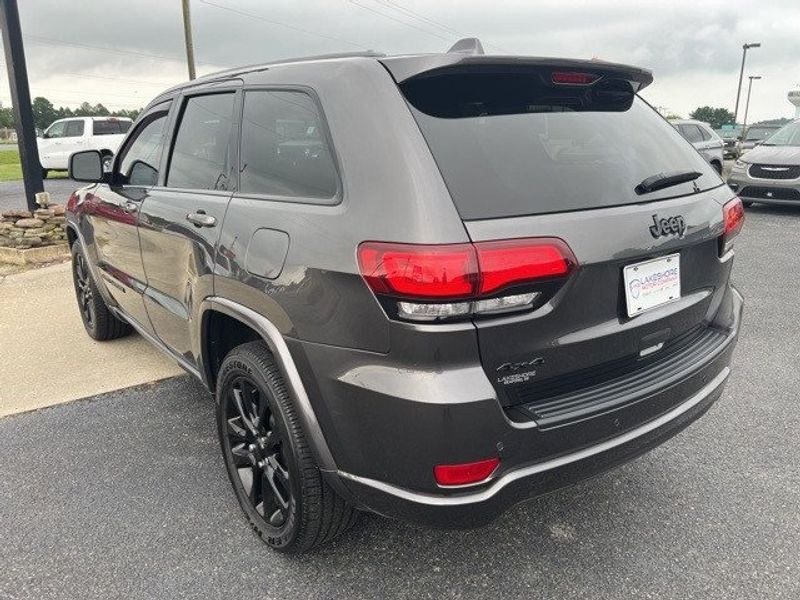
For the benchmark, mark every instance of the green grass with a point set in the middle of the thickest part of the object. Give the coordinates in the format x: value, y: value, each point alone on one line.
x: 11, y: 170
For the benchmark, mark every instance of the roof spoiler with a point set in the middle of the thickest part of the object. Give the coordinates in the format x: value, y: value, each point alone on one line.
x: 467, y: 46
x: 460, y: 60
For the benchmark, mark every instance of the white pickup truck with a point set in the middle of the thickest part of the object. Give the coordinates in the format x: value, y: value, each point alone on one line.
x: 66, y: 136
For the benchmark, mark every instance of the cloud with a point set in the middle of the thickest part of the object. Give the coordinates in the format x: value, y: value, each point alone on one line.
x: 693, y: 47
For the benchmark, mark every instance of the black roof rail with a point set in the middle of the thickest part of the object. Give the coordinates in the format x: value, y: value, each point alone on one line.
x: 467, y: 46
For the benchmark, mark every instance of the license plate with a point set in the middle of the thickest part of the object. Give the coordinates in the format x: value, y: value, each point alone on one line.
x: 651, y: 283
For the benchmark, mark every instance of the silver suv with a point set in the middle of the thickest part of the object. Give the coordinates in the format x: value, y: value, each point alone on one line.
x: 704, y: 139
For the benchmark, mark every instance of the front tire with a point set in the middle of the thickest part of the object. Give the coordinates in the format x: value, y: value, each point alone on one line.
x: 273, y: 472
x: 98, y: 320
x: 747, y: 203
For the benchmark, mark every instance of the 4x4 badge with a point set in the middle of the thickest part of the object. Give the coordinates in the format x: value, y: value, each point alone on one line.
x: 671, y: 226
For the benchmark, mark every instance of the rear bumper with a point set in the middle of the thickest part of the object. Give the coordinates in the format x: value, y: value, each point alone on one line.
x: 480, y: 507
x: 388, y: 426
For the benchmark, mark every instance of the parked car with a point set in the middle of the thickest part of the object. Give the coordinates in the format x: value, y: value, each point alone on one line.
x: 754, y: 135
x: 487, y: 278
x: 770, y: 173
x: 66, y: 136
x: 704, y: 139
x: 730, y: 137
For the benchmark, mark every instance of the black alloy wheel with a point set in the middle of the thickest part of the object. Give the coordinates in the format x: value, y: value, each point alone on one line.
x: 258, y: 451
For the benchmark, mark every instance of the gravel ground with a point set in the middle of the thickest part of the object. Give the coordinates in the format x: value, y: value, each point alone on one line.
x: 125, y: 496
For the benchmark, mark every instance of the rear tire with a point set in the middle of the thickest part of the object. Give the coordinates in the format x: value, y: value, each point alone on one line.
x: 747, y: 203
x: 269, y: 462
x: 98, y: 320
x: 717, y: 167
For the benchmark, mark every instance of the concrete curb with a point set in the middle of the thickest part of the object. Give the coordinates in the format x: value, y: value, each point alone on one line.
x: 32, y: 256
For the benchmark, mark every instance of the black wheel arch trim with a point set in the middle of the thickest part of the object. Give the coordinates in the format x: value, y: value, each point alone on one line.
x: 283, y: 358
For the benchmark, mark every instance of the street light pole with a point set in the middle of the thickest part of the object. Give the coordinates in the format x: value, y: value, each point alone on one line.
x: 187, y: 33
x: 745, y: 48
x: 21, y: 101
x: 747, y: 103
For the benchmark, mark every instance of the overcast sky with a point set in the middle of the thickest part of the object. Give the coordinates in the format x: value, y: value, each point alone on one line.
x: 692, y: 46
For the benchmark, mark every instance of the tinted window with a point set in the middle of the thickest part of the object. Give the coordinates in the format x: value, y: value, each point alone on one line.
x: 284, y: 149
x: 704, y: 133
x: 110, y: 127
x: 56, y: 130
x: 141, y: 158
x: 691, y: 133
x: 513, y: 144
x: 200, y: 153
x: 74, y: 129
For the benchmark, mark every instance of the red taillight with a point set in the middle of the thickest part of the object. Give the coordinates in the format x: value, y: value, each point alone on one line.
x: 504, y: 263
x: 573, y: 78
x: 465, y: 473
x: 461, y: 271
x: 733, y: 219
x: 415, y: 271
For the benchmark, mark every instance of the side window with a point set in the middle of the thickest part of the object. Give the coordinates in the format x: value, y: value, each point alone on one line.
x: 704, y: 133
x: 56, y: 130
x: 200, y: 154
x: 141, y: 158
x: 74, y: 129
x: 284, y: 151
x: 692, y: 133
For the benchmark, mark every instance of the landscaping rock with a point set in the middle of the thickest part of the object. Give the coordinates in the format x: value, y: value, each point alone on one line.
x: 58, y: 210
x: 35, y: 232
x: 57, y: 220
x: 29, y: 223
x: 17, y: 214
x: 43, y: 213
x: 5, y: 241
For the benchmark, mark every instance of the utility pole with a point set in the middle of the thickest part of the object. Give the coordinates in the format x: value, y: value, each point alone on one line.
x: 187, y: 33
x: 21, y: 101
x: 747, y: 103
x: 745, y: 48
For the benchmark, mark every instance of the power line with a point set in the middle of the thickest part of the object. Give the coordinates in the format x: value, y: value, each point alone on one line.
x: 109, y: 78
x: 280, y: 24
x: 406, y: 23
x: 36, y: 39
x: 415, y: 15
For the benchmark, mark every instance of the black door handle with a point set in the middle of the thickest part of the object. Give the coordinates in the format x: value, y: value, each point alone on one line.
x: 201, y: 219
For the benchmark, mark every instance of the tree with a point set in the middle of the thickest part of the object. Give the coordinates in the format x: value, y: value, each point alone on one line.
x: 44, y: 112
x: 716, y: 117
x: 6, y: 118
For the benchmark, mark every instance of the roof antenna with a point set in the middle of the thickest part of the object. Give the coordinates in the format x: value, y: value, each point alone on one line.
x: 467, y: 46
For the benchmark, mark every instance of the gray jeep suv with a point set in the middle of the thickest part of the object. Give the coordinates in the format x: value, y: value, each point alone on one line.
x: 427, y: 286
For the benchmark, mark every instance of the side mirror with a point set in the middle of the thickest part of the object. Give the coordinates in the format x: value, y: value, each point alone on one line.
x: 86, y: 166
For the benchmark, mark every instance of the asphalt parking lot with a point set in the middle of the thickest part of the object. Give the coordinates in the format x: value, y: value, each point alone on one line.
x: 125, y: 496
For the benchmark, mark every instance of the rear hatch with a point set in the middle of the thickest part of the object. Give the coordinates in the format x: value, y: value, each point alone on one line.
x: 539, y: 148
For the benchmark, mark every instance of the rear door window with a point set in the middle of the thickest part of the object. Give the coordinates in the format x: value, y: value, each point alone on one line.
x: 201, y: 151
x: 110, y: 127
x: 73, y: 129
x: 511, y: 143
x: 56, y: 130
x: 284, y: 147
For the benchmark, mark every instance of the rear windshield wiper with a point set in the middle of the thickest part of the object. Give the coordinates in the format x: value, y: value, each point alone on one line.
x: 665, y: 180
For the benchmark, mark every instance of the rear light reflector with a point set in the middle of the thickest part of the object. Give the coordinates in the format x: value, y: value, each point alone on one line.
x: 733, y: 219
x: 465, y: 473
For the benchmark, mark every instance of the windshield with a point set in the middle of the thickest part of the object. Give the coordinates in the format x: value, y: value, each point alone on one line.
x: 759, y: 133
x: 513, y: 144
x: 786, y: 136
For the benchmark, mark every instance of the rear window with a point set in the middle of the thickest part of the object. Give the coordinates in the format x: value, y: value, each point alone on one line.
x: 512, y: 144
x: 110, y: 127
